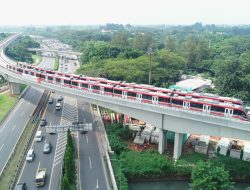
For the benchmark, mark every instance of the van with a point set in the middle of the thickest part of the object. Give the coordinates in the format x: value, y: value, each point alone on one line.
x: 30, y: 155
x: 38, y: 136
x: 58, y: 106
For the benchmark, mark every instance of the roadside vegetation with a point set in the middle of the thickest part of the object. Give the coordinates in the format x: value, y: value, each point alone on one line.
x: 56, y: 63
x: 36, y: 59
x: 3, y: 36
x: 7, y: 101
x: 69, y: 169
x: 130, y: 165
x: 18, y: 50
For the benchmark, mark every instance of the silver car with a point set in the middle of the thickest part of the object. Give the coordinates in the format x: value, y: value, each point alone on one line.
x: 47, y: 148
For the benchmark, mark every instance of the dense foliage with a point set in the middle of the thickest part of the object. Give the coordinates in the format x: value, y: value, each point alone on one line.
x: 69, y: 170
x: 18, y: 49
x: 210, y: 177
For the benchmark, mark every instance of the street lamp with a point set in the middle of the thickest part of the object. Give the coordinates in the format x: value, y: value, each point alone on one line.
x: 149, y: 72
x: 120, y: 172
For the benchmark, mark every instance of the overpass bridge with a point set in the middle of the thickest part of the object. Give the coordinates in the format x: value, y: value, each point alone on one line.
x: 165, y: 118
x: 55, y: 51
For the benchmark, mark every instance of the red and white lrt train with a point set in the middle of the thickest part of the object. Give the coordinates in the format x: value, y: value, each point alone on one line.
x: 206, y: 103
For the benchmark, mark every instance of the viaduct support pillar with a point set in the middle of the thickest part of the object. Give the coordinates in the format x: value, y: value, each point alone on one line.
x: 177, y: 145
x: 14, y: 88
x: 162, y: 142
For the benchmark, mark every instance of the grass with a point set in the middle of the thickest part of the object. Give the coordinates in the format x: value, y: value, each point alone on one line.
x: 22, y: 87
x: 36, y: 59
x: 56, y: 63
x: 7, y: 101
x: 10, y: 170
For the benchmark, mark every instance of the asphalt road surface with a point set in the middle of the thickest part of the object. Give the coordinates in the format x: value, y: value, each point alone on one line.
x: 15, y: 124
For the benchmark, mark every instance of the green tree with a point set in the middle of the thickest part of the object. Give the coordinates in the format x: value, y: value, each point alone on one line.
x: 142, y: 41
x: 170, y: 44
x: 208, y: 176
x: 120, y: 39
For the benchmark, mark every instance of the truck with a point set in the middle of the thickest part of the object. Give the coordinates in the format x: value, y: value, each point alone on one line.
x: 40, y: 177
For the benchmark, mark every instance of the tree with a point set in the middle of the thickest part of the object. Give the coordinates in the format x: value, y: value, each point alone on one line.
x: 208, y: 176
x: 170, y: 44
x: 120, y: 39
x: 142, y: 41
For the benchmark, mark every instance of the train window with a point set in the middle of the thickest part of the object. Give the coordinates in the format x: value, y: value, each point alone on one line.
x: 58, y: 80
x: 161, y: 99
x: 117, y: 91
x: 133, y: 94
x: 66, y: 81
x: 85, y: 85
x: 177, y: 102
x: 96, y: 87
x: 145, y: 96
x: 74, y: 83
x: 19, y: 70
x: 50, y: 78
x: 43, y: 76
x: 108, y: 90
x: 26, y: 72
x: 218, y: 109
x: 32, y: 73
x: 196, y: 105
x: 38, y: 75
x: 240, y: 113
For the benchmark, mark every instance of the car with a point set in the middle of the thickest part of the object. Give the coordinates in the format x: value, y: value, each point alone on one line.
x: 43, y: 122
x: 84, y: 132
x: 21, y: 186
x: 47, y: 148
x: 58, y: 106
x: 30, y: 155
x: 60, y: 98
x: 50, y: 100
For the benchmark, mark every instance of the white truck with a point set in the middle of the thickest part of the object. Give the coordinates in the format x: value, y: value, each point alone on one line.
x: 40, y: 177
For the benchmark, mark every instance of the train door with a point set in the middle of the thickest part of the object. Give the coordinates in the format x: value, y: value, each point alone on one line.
x: 228, y: 112
x: 206, y: 109
x: 154, y: 100
x: 186, y: 105
x: 124, y: 94
x: 101, y: 90
x: 90, y: 87
x: 138, y: 97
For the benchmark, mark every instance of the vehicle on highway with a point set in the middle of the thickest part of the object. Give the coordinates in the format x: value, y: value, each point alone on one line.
x: 30, y: 155
x: 38, y: 136
x: 47, y: 148
x: 58, y: 106
x: 21, y: 186
x: 60, y: 98
x: 84, y: 132
x: 40, y: 177
x: 43, y: 122
x: 50, y: 100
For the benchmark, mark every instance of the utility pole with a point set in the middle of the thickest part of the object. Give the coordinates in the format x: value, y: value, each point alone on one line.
x: 149, y: 72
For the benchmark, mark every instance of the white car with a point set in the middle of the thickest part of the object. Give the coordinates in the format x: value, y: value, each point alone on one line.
x: 30, y: 155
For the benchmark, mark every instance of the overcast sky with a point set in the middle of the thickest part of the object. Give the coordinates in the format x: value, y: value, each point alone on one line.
x: 88, y: 12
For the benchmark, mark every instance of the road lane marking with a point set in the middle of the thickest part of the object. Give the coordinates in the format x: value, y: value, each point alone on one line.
x: 97, y: 185
x: 1, y: 147
x: 87, y: 139
x: 90, y: 165
x: 13, y: 128
x: 38, y: 168
x: 54, y: 165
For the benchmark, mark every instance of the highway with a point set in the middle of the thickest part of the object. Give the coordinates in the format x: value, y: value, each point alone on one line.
x: 15, y: 124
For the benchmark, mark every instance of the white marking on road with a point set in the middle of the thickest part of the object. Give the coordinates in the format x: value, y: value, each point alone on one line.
x: 56, y: 163
x: 22, y: 114
x: 13, y: 128
x: 87, y: 139
x: 90, y: 165
x: 97, y: 185
x: 38, y: 167
x: 1, y: 147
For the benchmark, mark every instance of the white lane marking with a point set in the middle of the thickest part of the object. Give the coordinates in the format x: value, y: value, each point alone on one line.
x: 13, y: 128
x: 97, y: 185
x: 87, y: 139
x: 1, y: 147
x: 56, y: 163
x: 22, y: 114
x: 90, y: 165
x: 38, y: 167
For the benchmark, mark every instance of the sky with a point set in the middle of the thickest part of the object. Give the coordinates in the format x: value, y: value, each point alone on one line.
x: 136, y: 12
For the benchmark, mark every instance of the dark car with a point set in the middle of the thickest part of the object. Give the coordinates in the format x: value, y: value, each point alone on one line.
x: 47, y: 148
x: 43, y: 122
x: 50, y: 100
x: 84, y: 132
x: 60, y: 98
x: 21, y: 186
